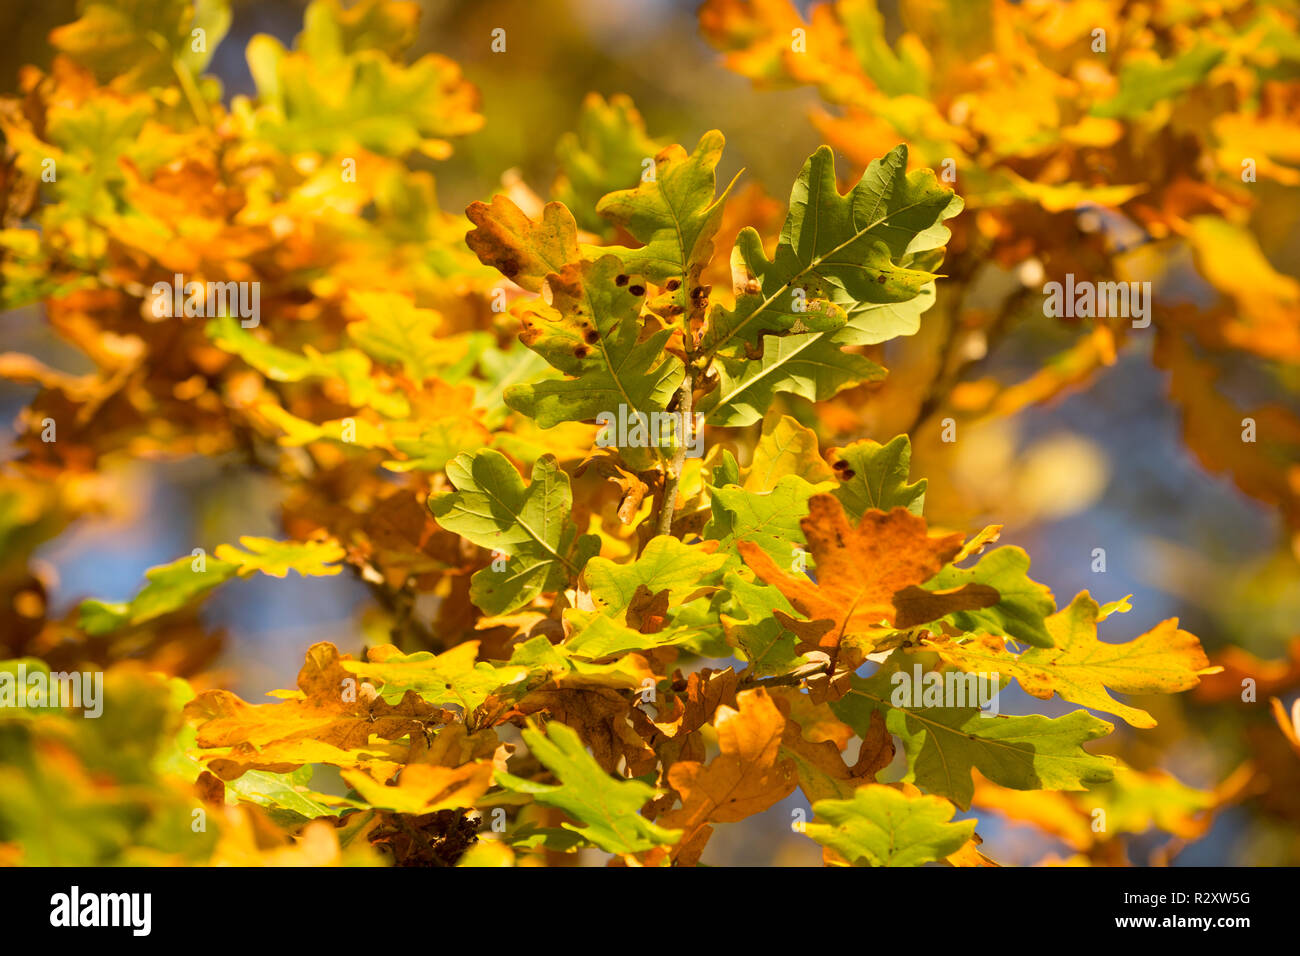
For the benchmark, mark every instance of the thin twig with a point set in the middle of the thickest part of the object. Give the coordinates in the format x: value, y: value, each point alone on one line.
x: 792, y: 679
x: 668, y: 502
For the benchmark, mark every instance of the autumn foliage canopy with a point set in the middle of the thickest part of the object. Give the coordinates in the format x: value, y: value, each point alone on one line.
x: 628, y: 473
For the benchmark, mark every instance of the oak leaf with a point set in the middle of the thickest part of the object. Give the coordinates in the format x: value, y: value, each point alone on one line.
x: 881, y: 826
x: 748, y: 775
x: 608, y: 808
x: 522, y: 250
x: 859, y: 571
x: 320, y: 709
x: 944, y: 744
x: 424, y: 788
x: 1080, y: 667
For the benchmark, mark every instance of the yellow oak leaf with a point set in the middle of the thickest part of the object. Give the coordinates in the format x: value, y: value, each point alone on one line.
x: 1080, y: 667
x: 424, y: 788
x: 283, y: 756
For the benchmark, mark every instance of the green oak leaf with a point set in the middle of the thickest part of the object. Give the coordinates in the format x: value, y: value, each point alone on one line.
x: 590, y: 332
x: 532, y: 837
x: 18, y: 697
x: 315, y: 559
x: 752, y: 629
x: 607, y: 808
x: 681, y: 576
x: 1023, y: 604
x: 499, y: 369
x: 563, y: 665
x: 605, y: 153
x: 104, y: 800
x: 185, y: 580
x: 1146, y: 82
x: 455, y: 676
x: 842, y: 258
x: 596, y: 636
x: 437, y: 444
x: 350, y: 366
x: 170, y: 588
x: 944, y: 744
x: 726, y: 471
x: 1135, y: 801
x: 530, y: 525
x: 395, y: 332
x: 875, y: 476
x: 137, y: 44
x: 346, y: 87
x: 665, y: 564
x: 811, y: 365
x: 285, y: 792
x: 1083, y: 669
x: 881, y: 826
x: 905, y: 72
x: 770, y: 519
x: 676, y: 216
x: 784, y: 447
x: 330, y: 31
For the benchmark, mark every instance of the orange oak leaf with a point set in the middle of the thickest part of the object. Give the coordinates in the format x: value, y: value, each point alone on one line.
x: 524, y: 250
x: 454, y: 746
x: 283, y: 756
x: 859, y: 571
x: 817, y: 723
x: 1270, y: 676
x: 648, y: 612
x: 970, y: 855
x: 823, y: 774
x: 915, y: 605
x: 877, y: 749
x: 325, y: 709
x: 747, y: 777
x: 1289, y: 724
